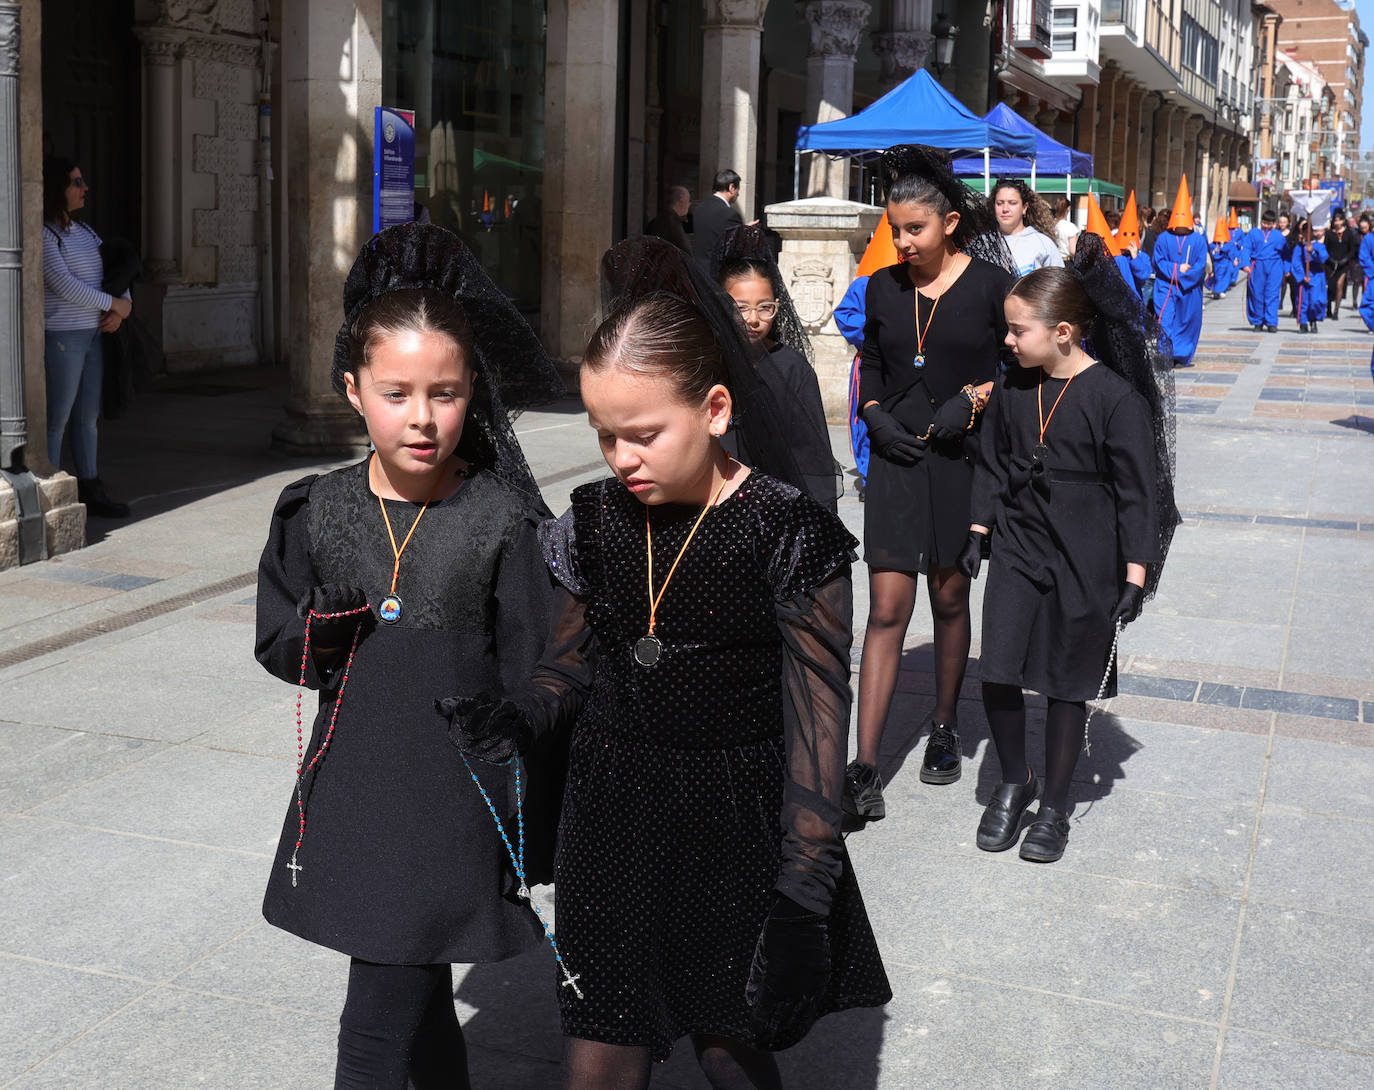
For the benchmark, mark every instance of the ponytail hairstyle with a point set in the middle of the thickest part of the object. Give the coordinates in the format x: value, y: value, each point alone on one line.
x: 1037, y: 213
x: 660, y: 335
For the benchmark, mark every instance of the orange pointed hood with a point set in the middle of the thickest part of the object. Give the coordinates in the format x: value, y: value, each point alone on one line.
x: 1182, y: 214
x: 1233, y: 222
x: 1097, y: 224
x: 1221, y: 234
x: 1129, y: 231
x: 880, y: 253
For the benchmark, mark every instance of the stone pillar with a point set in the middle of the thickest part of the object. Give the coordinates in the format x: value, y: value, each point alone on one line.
x: 162, y: 105
x: 823, y: 239
x: 30, y: 168
x: 1193, y: 163
x: 579, y: 167
x: 1135, y: 140
x: 332, y: 71
x: 1205, y: 187
x: 731, y: 37
x: 835, y: 29
x: 1106, y: 121
x: 1087, y: 121
x: 903, y: 46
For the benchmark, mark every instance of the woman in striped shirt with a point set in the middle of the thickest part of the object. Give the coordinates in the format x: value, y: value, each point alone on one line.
x: 75, y: 312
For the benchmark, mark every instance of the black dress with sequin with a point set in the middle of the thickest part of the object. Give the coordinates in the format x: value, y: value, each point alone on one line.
x: 401, y: 862
x: 703, y: 784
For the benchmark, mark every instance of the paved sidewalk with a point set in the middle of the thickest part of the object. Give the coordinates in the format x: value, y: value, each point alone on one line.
x: 1209, y: 926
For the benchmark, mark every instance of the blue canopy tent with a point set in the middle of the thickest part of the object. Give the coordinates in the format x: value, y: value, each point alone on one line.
x: 1051, y: 157
x: 916, y: 111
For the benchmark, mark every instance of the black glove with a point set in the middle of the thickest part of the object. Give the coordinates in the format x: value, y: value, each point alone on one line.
x: 890, y: 439
x: 789, y: 974
x: 970, y: 560
x: 332, y: 598
x: 1128, y: 605
x: 484, y: 727
x: 952, y: 419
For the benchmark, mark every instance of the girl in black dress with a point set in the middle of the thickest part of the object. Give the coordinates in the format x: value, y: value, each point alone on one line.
x: 702, y: 886
x: 932, y: 337
x: 414, y: 573
x: 1342, y: 246
x: 1074, y: 488
x: 745, y: 268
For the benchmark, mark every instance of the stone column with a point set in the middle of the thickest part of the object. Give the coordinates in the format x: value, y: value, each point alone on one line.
x: 903, y: 46
x: 1087, y: 121
x: 1205, y: 187
x: 1106, y: 121
x: 579, y: 166
x: 1135, y: 141
x: 161, y: 106
x: 731, y: 36
x: 30, y: 169
x: 332, y: 71
x: 835, y: 29
x: 1192, y: 162
x: 822, y: 241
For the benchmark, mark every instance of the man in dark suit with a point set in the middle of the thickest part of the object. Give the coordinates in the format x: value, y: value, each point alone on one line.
x: 714, y: 216
x: 668, y: 224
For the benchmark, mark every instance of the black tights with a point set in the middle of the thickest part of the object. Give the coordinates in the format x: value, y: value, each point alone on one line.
x: 1064, y: 719
x: 727, y: 1064
x: 892, y: 597
x: 399, y: 1029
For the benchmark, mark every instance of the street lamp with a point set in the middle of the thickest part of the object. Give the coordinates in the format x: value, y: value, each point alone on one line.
x: 945, y: 34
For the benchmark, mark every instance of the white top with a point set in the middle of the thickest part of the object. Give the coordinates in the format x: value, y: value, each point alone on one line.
x: 1064, y: 230
x: 1031, y: 250
x: 72, y: 272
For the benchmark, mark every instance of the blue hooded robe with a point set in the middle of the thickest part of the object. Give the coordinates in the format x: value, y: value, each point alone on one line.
x: 1178, y: 293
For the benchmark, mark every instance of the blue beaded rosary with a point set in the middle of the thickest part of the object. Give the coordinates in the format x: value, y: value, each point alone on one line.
x: 517, y: 859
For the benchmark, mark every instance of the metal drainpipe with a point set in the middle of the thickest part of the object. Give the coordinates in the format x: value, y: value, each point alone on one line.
x: 13, y: 423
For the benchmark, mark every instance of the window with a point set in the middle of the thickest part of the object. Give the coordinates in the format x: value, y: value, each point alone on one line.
x: 1065, y: 30
x: 1199, y: 50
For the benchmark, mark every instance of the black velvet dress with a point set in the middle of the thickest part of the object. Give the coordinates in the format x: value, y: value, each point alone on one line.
x: 916, y: 517
x: 401, y: 862
x: 1062, y: 534
x: 700, y: 786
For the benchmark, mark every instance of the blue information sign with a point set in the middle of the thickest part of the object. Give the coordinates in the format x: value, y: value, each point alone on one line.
x: 393, y: 167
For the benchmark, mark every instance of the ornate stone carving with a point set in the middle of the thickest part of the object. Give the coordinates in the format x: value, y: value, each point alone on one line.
x: 902, y: 52
x: 735, y: 13
x: 835, y: 26
x: 813, y: 292
x: 208, y: 16
x: 9, y: 41
x: 240, y: 52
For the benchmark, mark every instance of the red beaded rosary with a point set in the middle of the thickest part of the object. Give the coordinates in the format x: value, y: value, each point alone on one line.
x: 301, y: 768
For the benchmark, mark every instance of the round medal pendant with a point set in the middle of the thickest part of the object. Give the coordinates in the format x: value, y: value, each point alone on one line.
x: 1040, y: 452
x: 389, y: 609
x: 648, y: 650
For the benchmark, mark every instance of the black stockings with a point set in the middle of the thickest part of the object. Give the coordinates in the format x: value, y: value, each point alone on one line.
x: 892, y: 596
x: 948, y: 589
x: 727, y: 1064
x: 1064, y: 719
x: 399, y: 1029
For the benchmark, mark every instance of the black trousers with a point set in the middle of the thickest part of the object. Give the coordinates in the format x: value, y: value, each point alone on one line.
x: 399, y: 1029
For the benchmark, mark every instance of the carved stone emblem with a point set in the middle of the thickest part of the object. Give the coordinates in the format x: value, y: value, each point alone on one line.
x: 813, y: 292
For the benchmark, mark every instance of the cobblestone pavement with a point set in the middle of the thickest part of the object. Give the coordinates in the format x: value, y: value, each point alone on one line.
x: 1209, y: 926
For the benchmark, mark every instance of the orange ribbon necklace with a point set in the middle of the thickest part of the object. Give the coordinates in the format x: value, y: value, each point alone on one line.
x: 389, y: 608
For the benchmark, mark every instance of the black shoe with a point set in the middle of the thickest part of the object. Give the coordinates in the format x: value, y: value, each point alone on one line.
x: 1257, y: 328
x: 92, y: 493
x: 1047, y: 836
x: 943, y: 760
x: 1001, y: 823
x: 1271, y: 329
x: 863, y: 792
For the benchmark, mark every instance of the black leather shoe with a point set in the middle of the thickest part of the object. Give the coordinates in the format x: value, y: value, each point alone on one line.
x: 1271, y: 329
x: 863, y: 792
x: 1047, y: 836
x: 92, y: 493
x: 1001, y: 823
x: 943, y: 761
